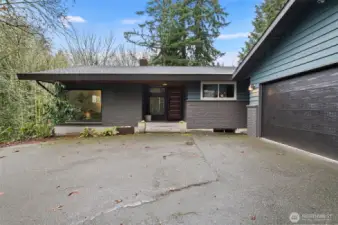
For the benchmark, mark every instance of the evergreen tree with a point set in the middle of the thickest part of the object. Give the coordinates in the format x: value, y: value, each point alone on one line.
x: 208, y: 18
x: 266, y: 12
x: 180, y: 32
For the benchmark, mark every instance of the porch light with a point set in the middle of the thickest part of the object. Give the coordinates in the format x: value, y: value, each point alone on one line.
x: 252, y: 87
x: 164, y: 84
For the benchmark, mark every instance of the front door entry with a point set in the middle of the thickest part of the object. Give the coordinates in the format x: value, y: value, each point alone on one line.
x: 165, y: 103
x: 157, y: 102
x: 174, y: 102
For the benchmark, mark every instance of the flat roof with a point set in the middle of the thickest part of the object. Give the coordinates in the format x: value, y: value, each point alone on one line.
x: 103, y: 73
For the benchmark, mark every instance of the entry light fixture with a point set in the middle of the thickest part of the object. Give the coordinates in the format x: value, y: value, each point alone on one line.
x: 164, y: 84
x: 252, y: 87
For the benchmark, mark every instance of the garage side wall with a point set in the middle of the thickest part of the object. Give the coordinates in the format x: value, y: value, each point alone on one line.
x: 310, y: 44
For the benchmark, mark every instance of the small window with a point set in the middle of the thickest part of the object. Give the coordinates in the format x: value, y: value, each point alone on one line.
x: 218, y: 91
x: 89, y: 104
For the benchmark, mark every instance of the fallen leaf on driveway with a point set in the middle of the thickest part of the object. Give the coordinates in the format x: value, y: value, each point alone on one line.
x: 253, y: 217
x: 242, y: 151
x: 59, y: 207
x: 73, y: 193
x: 189, y: 143
x: 147, y: 147
x: 1, y: 157
x: 16, y: 151
x: 1, y: 193
x: 164, y: 157
x: 118, y: 201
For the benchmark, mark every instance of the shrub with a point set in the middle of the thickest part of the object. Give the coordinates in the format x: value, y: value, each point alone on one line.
x: 27, y: 131
x: 43, y: 130
x: 89, y: 132
x: 6, y: 134
x: 32, y: 130
x: 109, y: 132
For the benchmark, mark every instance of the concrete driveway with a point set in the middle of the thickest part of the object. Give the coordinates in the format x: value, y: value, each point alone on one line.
x: 164, y: 179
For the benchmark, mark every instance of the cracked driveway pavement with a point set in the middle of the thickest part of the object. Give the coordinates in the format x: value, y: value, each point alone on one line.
x: 202, y: 178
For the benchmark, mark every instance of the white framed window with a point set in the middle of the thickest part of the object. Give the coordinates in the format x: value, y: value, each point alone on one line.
x: 212, y: 90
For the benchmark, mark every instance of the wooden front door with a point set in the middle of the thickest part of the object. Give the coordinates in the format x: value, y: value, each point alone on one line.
x: 174, y: 103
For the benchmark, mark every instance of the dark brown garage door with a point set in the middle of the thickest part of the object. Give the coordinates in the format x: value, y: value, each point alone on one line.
x: 302, y: 112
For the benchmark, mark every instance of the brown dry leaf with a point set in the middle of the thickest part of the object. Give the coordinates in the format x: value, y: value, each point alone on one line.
x: 73, y: 193
x: 118, y: 201
x: 1, y: 157
x: 16, y: 151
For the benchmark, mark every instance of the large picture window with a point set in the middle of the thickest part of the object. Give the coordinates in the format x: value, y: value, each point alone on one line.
x: 218, y: 91
x: 89, y: 103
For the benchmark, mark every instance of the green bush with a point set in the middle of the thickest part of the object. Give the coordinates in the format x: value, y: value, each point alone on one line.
x: 32, y: 130
x: 6, y: 134
x: 43, y: 130
x: 109, y: 132
x: 89, y: 132
x: 27, y: 131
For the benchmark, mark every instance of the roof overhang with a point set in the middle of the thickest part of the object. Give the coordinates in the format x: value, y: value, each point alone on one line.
x: 121, y: 77
x: 148, y: 73
x: 277, y: 30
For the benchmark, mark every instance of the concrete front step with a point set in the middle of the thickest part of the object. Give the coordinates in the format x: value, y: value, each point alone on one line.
x: 171, y: 127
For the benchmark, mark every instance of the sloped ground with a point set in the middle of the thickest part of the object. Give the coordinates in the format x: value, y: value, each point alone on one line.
x: 163, y: 179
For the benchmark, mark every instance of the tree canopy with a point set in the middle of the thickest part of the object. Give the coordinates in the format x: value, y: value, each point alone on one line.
x: 180, y: 32
x: 265, y: 12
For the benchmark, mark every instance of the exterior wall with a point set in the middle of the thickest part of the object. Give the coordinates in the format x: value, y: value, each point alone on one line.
x: 252, y: 123
x: 193, y: 90
x: 122, y: 105
x: 202, y: 114
x: 215, y: 114
x: 311, y: 43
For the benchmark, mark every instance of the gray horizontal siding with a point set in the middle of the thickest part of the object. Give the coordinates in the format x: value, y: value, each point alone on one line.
x: 193, y: 90
x: 122, y: 105
x: 216, y: 114
x: 310, y: 44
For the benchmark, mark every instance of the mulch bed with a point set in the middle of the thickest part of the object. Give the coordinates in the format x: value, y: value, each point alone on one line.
x: 33, y: 141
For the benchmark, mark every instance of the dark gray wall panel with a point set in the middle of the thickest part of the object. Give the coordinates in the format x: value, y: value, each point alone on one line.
x: 215, y: 114
x: 302, y: 112
x: 122, y: 105
x: 252, y: 113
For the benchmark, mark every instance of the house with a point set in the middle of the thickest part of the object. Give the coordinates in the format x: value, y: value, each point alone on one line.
x: 203, y: 97
x: 293, y: 71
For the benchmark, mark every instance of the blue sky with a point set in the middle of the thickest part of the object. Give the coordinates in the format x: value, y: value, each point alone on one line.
x: 116, y: 16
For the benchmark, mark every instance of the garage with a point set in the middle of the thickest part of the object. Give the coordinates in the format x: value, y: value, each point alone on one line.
x: 302, y: 112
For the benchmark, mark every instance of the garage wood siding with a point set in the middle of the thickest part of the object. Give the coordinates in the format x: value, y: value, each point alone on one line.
x: 311, y: 44
x: 122, y: 105
x: 252, y: 115
x: 216, y: 114
x: 303, y: 112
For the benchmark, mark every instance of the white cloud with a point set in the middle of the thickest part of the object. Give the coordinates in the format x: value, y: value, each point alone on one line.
x: 72, y: 19
x: 229, y: 59
x: 233, y: 36
x: 75, y: 19
x: 130, y: 21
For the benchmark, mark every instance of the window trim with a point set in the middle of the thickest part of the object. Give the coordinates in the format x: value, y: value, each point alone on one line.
x: 218, y: 83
